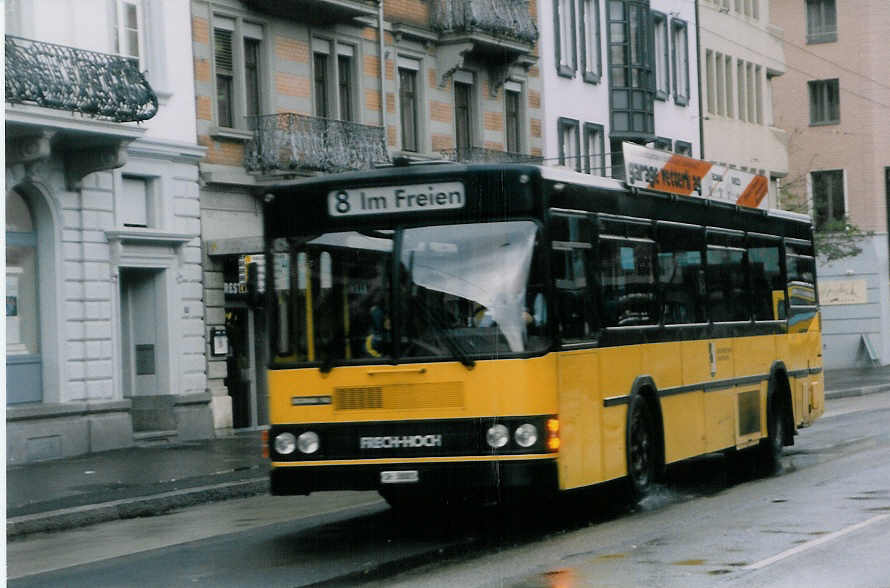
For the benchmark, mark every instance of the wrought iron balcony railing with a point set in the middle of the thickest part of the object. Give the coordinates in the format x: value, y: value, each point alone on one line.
x: 291, y: 141
x: 483, y: 155
x: 507, y: 19
x: 66, y: 78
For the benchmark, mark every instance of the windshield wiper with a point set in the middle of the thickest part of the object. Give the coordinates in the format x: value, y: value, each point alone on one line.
x: 436, y: 321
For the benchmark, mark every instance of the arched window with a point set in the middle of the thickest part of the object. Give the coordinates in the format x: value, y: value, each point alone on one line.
x: 24, y: 381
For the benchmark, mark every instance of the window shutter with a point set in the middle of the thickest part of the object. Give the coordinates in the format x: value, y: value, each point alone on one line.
x: 222, y: 50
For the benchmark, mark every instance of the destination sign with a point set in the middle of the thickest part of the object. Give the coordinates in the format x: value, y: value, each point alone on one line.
x: 396, y: 199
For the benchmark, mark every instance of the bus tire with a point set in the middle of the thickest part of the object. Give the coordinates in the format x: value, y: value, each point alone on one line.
x: 642, y: 454
x: 771, y: 446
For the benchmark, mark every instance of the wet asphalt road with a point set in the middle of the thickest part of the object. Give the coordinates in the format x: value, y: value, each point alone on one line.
x: 822, y: 521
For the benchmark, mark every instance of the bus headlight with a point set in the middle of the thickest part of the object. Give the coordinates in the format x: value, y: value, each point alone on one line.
x: 526, y: 435
x: 285, y: 443
x: 308, y: 442
x: 497, y: 436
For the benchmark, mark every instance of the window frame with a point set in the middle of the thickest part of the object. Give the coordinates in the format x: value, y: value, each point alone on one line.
x: 513, y: 91
x: 409, y: 64
x: 562, y: 126
x: 680, y: 71
x: 683, y: 148
x: 600, y: 131
x: 662, y: 144
x: 120, y: 27
x: 565, y: 67
x: 824, y: 88
x: 591, y: 65
x: 240, y: 31
x: 467, y: 80
x: 346, y: 52
x: 661, y: 61
x: 830, y: 215
x: 823, y: 34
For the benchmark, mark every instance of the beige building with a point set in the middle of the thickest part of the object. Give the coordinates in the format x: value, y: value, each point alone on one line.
x: 292, y: 89
x: 834, y: 103
x: 741, y: 53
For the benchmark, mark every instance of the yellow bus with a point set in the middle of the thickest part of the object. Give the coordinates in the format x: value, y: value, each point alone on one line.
x: 444, y: 330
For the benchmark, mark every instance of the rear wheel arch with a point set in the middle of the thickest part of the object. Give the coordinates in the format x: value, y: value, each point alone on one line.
x: 778, y: 397
x: 644, y: 391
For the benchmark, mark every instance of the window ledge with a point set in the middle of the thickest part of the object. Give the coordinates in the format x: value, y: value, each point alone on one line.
x: 148, y: 236
x: 826, y: 123
x: 234, y: 134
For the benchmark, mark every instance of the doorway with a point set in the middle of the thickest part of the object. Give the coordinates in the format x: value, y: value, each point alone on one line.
x: 245, y: 378
x: 143, y: 328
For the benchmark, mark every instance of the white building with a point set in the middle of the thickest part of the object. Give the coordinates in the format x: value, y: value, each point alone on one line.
x: 617, y: 71
x: 741, y: 54
x: 105, y: 328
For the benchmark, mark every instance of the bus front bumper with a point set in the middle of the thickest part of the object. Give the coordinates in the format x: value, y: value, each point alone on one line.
x: 537, y: 474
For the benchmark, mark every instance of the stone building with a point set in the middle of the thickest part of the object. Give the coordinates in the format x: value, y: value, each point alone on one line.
x: 834, y: 102
x: 290, y: 89
x: 104, y: 314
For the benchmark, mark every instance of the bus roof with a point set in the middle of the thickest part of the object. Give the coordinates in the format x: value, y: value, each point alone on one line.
x: 417, y: 171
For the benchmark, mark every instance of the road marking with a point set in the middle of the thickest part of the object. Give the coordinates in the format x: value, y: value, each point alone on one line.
x: 814, y: 543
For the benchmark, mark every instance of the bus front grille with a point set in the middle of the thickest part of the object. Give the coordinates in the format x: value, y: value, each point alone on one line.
x: 400, y: 396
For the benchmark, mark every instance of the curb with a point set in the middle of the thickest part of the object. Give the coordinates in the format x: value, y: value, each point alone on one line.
x: 144, y: 506
x: 861, y: 391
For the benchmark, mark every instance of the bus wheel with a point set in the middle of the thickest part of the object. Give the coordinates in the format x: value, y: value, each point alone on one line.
x: 770, y: 449
x: 641, y: 448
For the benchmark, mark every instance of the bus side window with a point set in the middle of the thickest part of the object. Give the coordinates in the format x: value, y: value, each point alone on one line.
x: 728, y: 298
x: 681, y: 274
x: 766, y: 280
x: 627, y: 275
x: 801, y: 288
x: 571, y: 262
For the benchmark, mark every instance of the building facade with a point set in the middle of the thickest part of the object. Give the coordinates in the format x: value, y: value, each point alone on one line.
x: 291, y: 89
x: 104, y: 313
x: 834, y: 102
x: 741, y: 54
x: 615, y: 71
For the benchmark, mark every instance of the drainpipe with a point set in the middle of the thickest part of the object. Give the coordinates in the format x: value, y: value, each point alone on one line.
x: 701, y: 112
x: 382, y: 66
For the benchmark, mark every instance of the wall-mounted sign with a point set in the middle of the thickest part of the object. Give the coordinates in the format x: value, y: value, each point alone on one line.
x: 219, y: 340
x: 832, y: 292
x: 677, y: 174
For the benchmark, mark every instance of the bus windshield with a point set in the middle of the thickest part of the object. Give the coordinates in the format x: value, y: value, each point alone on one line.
x: 464, y: 292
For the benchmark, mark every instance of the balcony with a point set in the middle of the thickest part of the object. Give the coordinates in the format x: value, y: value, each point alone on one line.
x: 499, y: 33
x: 95, y: 84
x: 495, y: 21
x: 317, y: 12
x: 483, y: 155
x: 290, y: 142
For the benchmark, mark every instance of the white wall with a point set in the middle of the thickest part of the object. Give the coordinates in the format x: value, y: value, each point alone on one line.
x: 167, y: 59
x: 586, y: 102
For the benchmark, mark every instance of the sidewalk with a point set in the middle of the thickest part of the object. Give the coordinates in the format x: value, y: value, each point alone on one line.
x: 146, y: 481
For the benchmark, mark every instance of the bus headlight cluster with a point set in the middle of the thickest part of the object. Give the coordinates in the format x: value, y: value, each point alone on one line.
x: 525, y: 435
x: 308, y: 442
x: 497, y: 436
x: 286, y: 443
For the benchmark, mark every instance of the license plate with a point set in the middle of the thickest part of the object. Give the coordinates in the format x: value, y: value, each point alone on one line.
x: 399, y: 477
